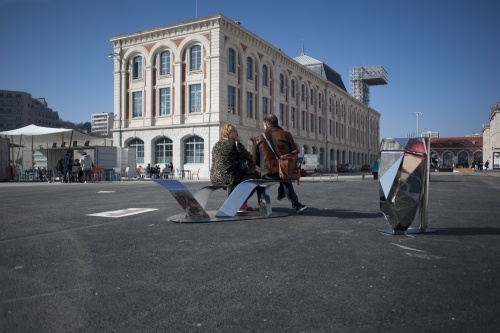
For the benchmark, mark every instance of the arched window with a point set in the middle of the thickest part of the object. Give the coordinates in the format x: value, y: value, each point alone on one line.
x: 139, y: 149
x: 163, y: 150
x: 231, y: 58
x: 448, y: 159
x: 264, y: 75
x: 282, y: 84
x: 330, y: 104
x: 195, y: 58
x: 249, y: 68
x: 337, y: 107
x: 302, y: 93
x: 319, y: 100
x: 312, y: 97
x: 165, y: 63
x: 293, y: 88
x: 462, y: 158
x: 137, y: 68
x: 194, y: 150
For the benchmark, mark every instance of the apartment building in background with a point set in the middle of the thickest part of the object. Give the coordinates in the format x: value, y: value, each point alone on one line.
x: 101, y: 123
x: 19, y: 109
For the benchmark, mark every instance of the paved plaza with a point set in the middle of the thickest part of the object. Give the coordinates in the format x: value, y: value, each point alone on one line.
x: 327, y: 270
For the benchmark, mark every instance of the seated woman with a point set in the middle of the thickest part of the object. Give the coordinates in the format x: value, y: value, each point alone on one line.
x: 225, y: 167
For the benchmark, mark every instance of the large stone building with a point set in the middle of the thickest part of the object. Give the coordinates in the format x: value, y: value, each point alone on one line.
x: 491, y: 138
x: 19, y: 109
x: 175, y: 86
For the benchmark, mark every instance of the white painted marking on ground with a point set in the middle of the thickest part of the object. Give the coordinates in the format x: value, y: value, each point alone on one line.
x: 408, y: 248
x: 105, y: 191
x: 123, y: 212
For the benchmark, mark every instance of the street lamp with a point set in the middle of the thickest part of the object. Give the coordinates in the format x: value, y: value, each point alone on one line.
x: 119, y: 56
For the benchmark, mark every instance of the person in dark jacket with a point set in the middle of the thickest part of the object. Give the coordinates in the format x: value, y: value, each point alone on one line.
x: 67, y: 164
x: 225, y: 156
x: 265, y: 159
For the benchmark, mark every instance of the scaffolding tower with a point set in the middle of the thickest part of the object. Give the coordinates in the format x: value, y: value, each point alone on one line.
x: 362, y: 77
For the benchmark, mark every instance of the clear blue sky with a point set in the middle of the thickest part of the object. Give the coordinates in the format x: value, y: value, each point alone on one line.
x: 442, y: 57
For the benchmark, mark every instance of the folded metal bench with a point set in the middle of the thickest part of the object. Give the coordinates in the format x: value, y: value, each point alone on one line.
x: 194, y: 205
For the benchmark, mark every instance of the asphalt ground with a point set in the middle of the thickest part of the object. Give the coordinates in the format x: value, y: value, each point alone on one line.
x: 327, y: 270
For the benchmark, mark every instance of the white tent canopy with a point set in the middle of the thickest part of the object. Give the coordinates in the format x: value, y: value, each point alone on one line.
x: 45, y: 136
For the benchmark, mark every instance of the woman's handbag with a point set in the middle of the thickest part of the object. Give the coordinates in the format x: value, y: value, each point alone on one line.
x: 288, y: 164
x: 246, y: 166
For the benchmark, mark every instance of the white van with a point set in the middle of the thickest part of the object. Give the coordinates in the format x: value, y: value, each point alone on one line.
x: 309, y: 162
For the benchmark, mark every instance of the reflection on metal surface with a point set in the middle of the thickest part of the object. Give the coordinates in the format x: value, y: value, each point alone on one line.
x: 403, y: 171
x: 192, y: 208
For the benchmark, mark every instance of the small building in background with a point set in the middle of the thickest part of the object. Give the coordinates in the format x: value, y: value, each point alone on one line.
x: 102, y: 123
x: 491, y: 136
x: 429, y: 134
x: 453, y: 151
x: 19, y: 109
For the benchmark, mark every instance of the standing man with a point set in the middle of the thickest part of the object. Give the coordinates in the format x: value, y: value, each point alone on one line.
x: 264, y: 158
x: 86, y: 163
x: 67, y: 166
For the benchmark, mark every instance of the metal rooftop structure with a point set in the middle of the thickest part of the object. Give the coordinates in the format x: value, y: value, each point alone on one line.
x: 360, y: 78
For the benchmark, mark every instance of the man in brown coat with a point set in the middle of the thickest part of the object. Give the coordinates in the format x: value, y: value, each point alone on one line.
x: 264, y: 158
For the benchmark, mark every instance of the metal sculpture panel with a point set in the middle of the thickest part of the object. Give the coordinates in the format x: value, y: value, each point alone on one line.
x: 403, y: 172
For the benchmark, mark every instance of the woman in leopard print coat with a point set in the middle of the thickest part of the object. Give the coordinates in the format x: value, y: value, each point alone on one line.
x: 225, y: 155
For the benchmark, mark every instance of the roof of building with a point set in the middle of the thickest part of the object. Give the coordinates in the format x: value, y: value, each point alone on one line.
x: 321, y: 69
x: 458, y: 142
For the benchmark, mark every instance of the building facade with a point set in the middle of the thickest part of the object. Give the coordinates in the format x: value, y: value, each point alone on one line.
x: 175, y: 86
x: 453, y: 151
x: 429, y: 134
x: 491, y: 137
x: 102, y: 123
x: 19, y: 109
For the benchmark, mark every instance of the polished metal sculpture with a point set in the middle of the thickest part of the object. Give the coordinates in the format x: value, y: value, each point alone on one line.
x: 404, y: 183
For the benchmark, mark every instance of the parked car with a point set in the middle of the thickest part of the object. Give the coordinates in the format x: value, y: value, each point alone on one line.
x: 346, y: 168
x: 367, y: 167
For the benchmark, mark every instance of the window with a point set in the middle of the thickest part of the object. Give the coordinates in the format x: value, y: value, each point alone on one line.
x: 249, y: 105
x: 312, y: 97
x: 312, y: 123
x: 264, y: 75
x: 137, y: 104
x: 137, y: 70
x: 195, y: 98
x: 139, y: 149
x: 303, y: 120
x: 319, y: 125
x: 302, y: 93
x: 195, y: 58
x: 231, y: 60
x: 230, y: 100
x: 163, y: 150
x: 282, y: 84
x: 164, y: 101
x: 282, y: 113
x: 292, y: 118
x: 336, y: 129
x: 336, y: 107
x: 293, y: 88
x: 264, y: 105
x: 331, y: 127
x: 330, y: 105
x: 343, y: 131
x: 249, y: 68
x: 319, y: 101
x: 165, y: 63
x: 194, y: 150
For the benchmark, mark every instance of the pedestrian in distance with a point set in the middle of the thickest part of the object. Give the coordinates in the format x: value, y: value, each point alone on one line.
x: 86, y: 163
